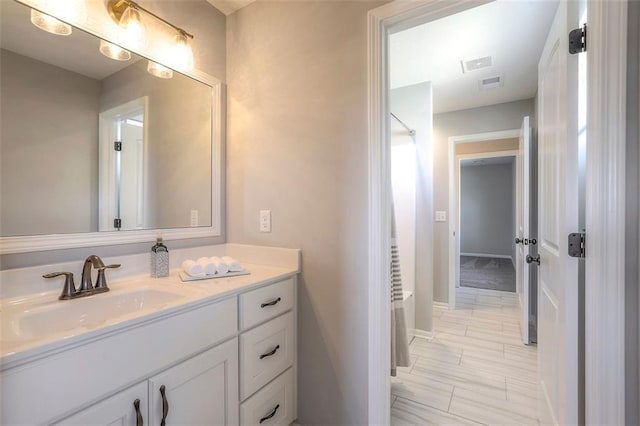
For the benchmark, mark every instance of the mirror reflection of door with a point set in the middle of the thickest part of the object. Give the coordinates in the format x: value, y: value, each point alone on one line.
x: 123, y: 186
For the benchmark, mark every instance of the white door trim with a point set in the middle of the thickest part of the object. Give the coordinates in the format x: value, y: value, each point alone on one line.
x: 605, y: 213
x: 382, y: 21
x: 454, y: 173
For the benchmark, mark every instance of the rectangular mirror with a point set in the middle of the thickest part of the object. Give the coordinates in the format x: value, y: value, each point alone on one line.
x: 94, y: 148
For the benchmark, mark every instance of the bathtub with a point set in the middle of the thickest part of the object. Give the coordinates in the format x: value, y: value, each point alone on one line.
x: 409, y: 312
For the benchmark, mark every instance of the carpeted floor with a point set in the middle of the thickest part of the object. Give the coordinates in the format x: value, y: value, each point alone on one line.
x: 487, y: 273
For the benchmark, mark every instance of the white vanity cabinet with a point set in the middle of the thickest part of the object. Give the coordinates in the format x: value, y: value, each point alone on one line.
x: 116, y: 410
x: 226, y: 361
x: 200, y: 391
x: 268, y: 355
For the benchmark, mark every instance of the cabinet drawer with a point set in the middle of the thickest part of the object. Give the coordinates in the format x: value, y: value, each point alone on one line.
x: 271, y: 405
x: 264, y: 303
x: 265, y: 352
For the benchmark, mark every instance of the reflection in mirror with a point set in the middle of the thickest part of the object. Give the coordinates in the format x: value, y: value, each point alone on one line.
x: 94, y: 143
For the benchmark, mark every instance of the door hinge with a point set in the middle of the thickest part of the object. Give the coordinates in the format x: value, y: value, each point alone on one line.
x: 117, y: 223
x: 578, y: 40
x: 576, y: 245
x: 117, y: 145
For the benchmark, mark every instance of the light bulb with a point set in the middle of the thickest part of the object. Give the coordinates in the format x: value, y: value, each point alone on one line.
x: 112, y: 51
x: 158, y: 70
x: 134, y: 29
x: 49, y: 23
x: 182, y: 54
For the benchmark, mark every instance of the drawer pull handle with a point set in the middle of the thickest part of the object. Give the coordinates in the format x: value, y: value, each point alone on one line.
x: 273, y: 302
x: 165, y: 406
x: 271, y: 414
x: 139, y: 421
x: 270, y: 353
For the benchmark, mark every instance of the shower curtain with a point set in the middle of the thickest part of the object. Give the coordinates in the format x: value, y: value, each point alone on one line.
x: 399, y: 339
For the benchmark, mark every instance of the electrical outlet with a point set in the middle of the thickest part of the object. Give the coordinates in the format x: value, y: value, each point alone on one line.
x: 194, y: 217
x: 265, y: 220
x: 441, y: 216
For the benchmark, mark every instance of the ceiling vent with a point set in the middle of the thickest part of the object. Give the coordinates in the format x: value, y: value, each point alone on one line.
x: 490, y: 82
x: 476, y: 64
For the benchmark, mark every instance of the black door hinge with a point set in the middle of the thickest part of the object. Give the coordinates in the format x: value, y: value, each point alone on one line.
x: 578, y: 40
x: 117, y: 145
x: 576, y: 245
x: 117, y: 223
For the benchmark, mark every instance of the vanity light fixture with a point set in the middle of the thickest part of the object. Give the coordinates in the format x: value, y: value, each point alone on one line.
x: 158, y: 70
x: 113, y: 51
x: 74, y: 11
x: 127, y: 14
x: 49, y: 23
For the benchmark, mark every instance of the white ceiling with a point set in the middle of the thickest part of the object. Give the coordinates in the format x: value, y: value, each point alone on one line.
x: 513, y: 32
x: 77, y: 52
x: 229, y: 6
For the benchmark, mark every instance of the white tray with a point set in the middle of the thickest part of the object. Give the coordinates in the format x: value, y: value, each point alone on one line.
x: 186, y: 277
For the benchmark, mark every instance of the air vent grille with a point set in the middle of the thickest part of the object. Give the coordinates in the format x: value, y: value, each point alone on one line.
x: 476, y: 64
x: 490, y: 82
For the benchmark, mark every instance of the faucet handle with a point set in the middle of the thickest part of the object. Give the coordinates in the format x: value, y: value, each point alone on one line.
x: 69, y: 288
x: 101, y: 282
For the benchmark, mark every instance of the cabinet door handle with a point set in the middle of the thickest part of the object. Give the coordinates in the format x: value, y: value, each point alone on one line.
x: 139, y: 421
x: 270, y: 353
x: 273, y: 302
x: 165, y: 406
x: 271, y: 414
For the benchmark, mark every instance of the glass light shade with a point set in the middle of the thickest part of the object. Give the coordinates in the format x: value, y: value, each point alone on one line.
x: 135, y: 31
x: 182, y: 54
x: 112, y: 51
x: 158, y: 70
x: 49, y: 23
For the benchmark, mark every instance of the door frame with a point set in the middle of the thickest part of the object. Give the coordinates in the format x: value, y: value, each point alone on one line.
x: 453, y: 241
x: 604, y: 305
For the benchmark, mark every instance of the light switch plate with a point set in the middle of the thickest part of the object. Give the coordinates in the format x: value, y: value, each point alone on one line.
x: 441, y: 216
x: 265, y: 220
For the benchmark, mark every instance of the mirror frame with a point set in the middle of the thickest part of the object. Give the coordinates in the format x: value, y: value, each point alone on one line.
x: 43, y: 242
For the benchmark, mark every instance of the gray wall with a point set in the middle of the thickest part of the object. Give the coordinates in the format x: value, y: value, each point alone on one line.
x: 49, y: 122
x: 413, y: 105
x: 208, y: 25
x: 477, y: 120
x: 487, y: 209
x: 297, y: 144
x: 179, y: 142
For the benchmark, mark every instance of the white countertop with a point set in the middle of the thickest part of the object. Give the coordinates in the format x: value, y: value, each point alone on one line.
x: 17, y: 347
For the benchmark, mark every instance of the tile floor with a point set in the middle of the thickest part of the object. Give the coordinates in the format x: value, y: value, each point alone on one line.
x: 475, y: 370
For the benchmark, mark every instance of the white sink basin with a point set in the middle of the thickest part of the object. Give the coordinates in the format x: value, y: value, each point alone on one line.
x: 86, y: 313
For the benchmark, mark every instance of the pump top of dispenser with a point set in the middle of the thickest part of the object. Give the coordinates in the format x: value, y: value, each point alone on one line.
x: 159, y: 246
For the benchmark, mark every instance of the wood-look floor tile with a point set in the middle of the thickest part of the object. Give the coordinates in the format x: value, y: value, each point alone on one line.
x: 405, y: 412
x: 466, y: 342
x: 525, y: 388
x: 423, y: 390
x: 459, y: 376
x: 494, y: 337
x: 487, y: 409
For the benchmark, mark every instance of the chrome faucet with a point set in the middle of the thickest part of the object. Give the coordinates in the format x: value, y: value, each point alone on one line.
x: 86, y: 285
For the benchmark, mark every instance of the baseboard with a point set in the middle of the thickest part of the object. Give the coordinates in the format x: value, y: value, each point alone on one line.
x: 440, y: 305
x: 423, y: 334
x: 496, y: 256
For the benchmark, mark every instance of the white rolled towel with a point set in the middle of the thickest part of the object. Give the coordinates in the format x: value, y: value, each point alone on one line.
x: 208, y: 266
x: 221, y: 267
x: 192, y: 268
x: 234, y: 265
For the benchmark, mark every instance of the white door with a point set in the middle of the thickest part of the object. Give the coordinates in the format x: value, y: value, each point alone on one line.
x: 523, y: 232
x: 557, y: 217
x: 200, y: 391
